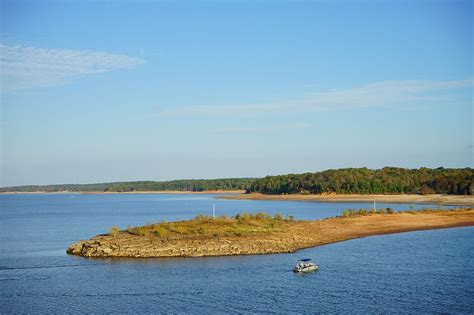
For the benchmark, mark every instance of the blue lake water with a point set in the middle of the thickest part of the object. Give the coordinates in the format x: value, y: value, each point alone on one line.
x: 416, y: 272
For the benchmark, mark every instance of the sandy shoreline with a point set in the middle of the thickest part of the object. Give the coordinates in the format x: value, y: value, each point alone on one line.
x: 452, y: 200
x: 290, y: 237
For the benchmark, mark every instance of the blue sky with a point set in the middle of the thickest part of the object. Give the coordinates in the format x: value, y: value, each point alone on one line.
x: 103, y: 91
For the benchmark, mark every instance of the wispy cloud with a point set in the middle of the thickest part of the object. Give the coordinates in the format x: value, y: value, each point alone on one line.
x: 25, y: 67
x: 385, y: 93
x: 260, y: 128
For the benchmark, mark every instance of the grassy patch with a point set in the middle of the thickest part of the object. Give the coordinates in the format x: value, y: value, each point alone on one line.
x: 240, y: 225
x: 114, y: 230
x: 361, y: 212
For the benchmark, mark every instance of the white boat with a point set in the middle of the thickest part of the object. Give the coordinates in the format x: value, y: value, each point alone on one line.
x: 305, y: 265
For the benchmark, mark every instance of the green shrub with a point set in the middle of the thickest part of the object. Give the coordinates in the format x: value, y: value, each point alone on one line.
x: 224, y: 217
x: 179, y: 229
x: 140, y: 230
x: 245, y: 216
x: 389, y: 211
x: 202, y: 217
x: 114, y: 230
x: 160, y: 231
x: 352, y: 212
x: 277, y: 217
x: 261, y: 216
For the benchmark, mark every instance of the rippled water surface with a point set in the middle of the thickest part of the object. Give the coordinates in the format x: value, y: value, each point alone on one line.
x: 416, y: 272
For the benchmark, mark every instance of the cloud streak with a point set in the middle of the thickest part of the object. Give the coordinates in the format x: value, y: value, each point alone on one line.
x: 25, y: 67
x: 260, y: 128
x: 379, y: 94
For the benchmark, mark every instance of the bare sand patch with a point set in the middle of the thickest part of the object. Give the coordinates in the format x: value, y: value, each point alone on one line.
x: 454, y: 200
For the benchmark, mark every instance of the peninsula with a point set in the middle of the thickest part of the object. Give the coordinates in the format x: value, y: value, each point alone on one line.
x: 260, y: 233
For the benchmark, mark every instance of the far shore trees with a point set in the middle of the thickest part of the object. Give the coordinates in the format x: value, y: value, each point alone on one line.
x: 388, y: 180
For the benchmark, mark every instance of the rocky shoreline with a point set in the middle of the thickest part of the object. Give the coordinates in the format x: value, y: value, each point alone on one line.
x: 295, y: 235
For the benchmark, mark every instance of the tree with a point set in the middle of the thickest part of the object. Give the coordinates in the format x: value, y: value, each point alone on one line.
x: 425, y: 190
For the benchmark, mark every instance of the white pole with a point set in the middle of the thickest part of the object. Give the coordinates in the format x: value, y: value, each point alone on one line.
x: 213, y: 211
x: 374, y: 206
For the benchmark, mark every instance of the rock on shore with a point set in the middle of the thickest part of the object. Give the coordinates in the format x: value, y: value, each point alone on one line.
x: 136, y: 246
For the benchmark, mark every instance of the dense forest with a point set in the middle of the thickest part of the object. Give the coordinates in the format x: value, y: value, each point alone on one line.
x: 180, y: 185
x: 389, y: 180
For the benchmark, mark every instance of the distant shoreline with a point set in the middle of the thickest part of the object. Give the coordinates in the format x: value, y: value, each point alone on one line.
x: 122, y: 193
x: 448, y: 200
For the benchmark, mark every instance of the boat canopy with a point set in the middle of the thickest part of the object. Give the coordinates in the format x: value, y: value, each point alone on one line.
x: 305, y: 259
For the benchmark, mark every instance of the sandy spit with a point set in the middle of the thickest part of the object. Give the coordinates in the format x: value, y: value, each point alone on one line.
x: 454, y: 200
x: 295, y: 235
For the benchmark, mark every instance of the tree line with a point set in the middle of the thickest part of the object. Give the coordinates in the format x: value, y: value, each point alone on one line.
x: 176, y: 185
x: 388, y: 180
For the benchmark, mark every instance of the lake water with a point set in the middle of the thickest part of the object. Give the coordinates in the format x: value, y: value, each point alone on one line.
x: 416, y: 272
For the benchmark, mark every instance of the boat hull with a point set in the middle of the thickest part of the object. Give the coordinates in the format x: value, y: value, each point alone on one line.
x: 305, y: 269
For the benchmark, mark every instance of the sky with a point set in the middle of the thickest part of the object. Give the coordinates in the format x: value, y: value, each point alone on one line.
x: 102, y: 91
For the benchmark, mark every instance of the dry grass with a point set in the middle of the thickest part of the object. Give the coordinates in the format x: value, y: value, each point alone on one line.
x: 114, y: 230
x: 203, y: 226
x: 246, y: 224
